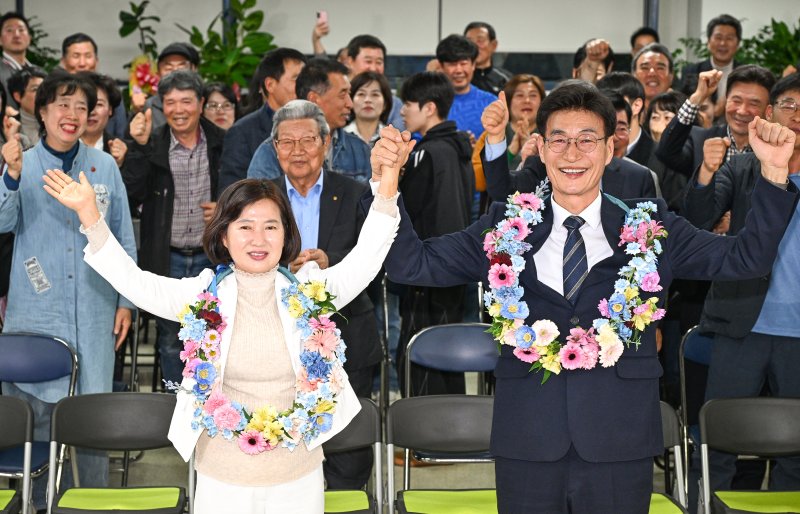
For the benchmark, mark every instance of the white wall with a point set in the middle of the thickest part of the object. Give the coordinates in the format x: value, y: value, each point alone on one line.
x: 410, y: 26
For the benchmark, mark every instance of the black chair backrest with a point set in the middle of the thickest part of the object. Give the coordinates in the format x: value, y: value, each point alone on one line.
x: 16, y: 422
x: 767, y: 427
x: 670, y: 426
x: 114, y: 421
x: 34, y: 358
x: 363, y: 430
x: 457, y: 347
x: 441, y: 423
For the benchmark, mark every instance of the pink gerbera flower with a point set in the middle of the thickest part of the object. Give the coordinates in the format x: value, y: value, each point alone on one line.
x: 571, y: 356
x: 528, y: 201
x: 322, y: 341
x: 226, y: 417
x: 528, y: 355
x: 519, y: 225
x: 252, y: 442
x: 214, y: 401
x: 323, y: 323
x: 501, y: 275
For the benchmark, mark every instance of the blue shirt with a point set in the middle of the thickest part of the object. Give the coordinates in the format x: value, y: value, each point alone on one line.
x: 781, y: 308
x: 306, y: 212
x: 52, y: 290
x: 468, y: 108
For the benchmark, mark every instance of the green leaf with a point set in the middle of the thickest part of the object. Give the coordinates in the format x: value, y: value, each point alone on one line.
x: 249, y: 4
x: 126, y: 29
x: 126, y: 17
x: 253, y: 21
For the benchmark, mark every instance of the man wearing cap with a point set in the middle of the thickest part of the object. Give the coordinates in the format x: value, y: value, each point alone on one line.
x: 176, y: 56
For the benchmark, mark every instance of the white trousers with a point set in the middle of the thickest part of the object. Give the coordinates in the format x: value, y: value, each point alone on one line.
x: 302, y: 496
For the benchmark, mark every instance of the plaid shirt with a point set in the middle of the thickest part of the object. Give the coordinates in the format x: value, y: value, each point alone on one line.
x: 189, y: 167
x: 688, y: 113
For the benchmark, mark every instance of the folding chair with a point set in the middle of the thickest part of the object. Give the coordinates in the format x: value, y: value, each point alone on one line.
x: 454, y: 426
x: 364, y: 430
x: 768, y: 427
x: 113, y: 422
x: 31, y: 358
x: 694, y: 358
x: 16, y: 429
x: 664, y: 503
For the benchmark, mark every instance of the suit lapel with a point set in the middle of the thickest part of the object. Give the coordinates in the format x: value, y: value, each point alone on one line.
x: 612, y: 217
x: 329, y: 204
x: 539, y: 235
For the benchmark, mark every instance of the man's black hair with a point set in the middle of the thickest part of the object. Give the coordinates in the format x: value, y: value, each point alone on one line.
x: 481, y: 25
x: 787, y: 83
x: 429, y: 86
x: 11, y: 15
x: 577, y: 95
x: 645, y: 31
x: 59, y: 82
x: 364, y: 41
x: 314, y: 77
x: 623, y: 83
x: 456, y: 48
x: 653, y: 47
x: 74, y: 39
x: 18, y: 81
x: 724, y: 19
x: 619, y: 103
x: 273, y: 66
x: 750, y: 74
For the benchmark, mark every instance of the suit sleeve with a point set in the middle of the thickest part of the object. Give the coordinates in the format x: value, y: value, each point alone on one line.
x: 136, y: 171
x: 234, y: 161
x: 500, y: 182
x: 699, y: 255
x: 676, y: 148
x: 704, y: 205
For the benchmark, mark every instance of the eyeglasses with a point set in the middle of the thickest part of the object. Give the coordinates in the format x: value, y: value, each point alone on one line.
x: 224, y: 106
x: 788, y: 106
x: 585, y: 144
x: 308, y: 144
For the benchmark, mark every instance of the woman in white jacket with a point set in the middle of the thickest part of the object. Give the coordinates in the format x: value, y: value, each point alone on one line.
x: 263, y: 374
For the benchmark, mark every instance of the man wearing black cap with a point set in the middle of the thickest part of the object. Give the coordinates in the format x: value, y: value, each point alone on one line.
x: 175, y: 56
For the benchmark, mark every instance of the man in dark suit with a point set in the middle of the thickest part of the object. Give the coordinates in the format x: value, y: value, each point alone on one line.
x: 275, y: 76
x: 724, y: 34
x: 326, y: 207
x: 583, y: 441
x: 681, y: 145
x: 754, y: 322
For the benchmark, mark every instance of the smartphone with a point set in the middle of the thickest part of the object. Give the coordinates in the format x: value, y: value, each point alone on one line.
x: 322, y: 16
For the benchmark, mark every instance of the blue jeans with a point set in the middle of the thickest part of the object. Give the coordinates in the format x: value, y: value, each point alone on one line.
x: 92, y: 464
x: 169, y: 346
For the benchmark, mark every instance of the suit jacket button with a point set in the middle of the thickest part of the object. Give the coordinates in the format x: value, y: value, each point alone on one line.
x: 574, y: 320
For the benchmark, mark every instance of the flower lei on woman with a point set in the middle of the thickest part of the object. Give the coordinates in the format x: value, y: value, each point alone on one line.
x: 625, y: 314
x: 319, y: 381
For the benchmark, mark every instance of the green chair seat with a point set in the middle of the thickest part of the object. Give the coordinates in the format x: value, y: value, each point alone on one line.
x: 426, y: 501
x: 757, y: 501
x: 350, y: 502
x: 133, y: 499
x: 9, y: 501
x: 663, y: 504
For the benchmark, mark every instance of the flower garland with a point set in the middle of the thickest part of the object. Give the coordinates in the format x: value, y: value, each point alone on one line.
x: 319, y: 381
x: 625, y: 314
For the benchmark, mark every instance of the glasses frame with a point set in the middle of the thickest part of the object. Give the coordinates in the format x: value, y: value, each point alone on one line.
x: 549, y: 142
x: 308, y: 147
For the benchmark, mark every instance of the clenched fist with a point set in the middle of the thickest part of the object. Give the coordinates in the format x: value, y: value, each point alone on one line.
x: 141, y: 126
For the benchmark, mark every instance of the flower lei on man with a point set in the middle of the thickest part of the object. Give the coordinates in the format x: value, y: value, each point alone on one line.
x: 319, y: 381
x: 625, y: 314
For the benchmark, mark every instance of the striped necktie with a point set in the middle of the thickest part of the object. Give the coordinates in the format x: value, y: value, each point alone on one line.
x: 575, y: 266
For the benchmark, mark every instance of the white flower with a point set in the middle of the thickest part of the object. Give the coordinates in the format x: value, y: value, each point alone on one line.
x: 606, y: 336
x: 546, y: 332
x: 609, y: 355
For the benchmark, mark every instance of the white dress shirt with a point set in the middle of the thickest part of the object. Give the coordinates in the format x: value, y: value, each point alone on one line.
x: 550, y: 257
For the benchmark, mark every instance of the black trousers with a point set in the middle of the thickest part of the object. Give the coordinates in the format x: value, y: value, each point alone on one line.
x: 572, y: 485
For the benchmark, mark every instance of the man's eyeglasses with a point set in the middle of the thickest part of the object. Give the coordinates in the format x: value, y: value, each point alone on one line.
x: 224, y: 106
x: 308, y: 143
x: 585, y: 144
x: 788, y: 106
